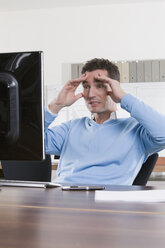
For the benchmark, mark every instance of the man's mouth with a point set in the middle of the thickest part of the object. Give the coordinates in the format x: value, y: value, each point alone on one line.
x: 94, y: 103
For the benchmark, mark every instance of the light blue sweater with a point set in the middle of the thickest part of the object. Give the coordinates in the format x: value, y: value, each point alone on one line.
x: 108, y: 153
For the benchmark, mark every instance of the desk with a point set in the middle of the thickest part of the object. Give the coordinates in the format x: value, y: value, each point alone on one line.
x: 52, y: 218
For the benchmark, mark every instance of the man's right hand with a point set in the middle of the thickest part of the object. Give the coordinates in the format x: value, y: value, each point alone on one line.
x: 66, y: 96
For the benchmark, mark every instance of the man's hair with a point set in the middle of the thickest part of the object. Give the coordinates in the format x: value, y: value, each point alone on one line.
x: 103, y: 64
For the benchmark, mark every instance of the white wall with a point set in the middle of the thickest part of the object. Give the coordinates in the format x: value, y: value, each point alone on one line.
x: 74, y: 34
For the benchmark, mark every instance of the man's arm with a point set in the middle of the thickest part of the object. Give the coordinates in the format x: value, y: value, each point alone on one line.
x: 67, y: 95
x: 153, y: 123
x: 55, y: 137
x: 153, y: 132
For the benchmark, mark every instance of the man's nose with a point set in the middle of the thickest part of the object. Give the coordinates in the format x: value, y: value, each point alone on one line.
x: 92, y: 92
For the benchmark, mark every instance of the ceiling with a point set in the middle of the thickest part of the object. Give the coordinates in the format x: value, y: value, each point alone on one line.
x: 19, y: 5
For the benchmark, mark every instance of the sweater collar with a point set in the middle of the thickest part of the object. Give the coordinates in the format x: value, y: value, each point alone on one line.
x: 112, y: 117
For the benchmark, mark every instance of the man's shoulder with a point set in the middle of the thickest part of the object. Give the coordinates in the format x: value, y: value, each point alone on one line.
x: 79, y: 120
x: 128, y: 121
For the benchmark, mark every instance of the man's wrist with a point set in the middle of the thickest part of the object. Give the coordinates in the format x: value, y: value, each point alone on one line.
x: 122, y: 95
x: 54, y: 108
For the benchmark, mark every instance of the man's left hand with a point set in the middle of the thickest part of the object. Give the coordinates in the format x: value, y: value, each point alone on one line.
x: 114, y: 89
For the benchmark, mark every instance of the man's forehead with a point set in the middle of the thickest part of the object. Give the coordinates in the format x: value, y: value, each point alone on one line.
x: 96, y: 72
x: 93, y: 74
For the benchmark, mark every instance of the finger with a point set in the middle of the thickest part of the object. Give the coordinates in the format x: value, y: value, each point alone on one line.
x: 108, y: 88
x: 76, y: 82
x: 102, y: 78
x: 105, y: 80
x: 80, y: 79
x: 78, y: 96
x: 85, y: 75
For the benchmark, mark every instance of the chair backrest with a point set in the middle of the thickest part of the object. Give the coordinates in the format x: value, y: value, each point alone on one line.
x: 27, y: 170
x: 146, y: 170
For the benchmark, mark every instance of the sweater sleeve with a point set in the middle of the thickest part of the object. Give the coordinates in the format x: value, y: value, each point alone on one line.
x: 54, y: 136
x: 152, y: 122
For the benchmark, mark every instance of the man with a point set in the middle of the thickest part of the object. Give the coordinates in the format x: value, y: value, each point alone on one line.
x: 102, y: 150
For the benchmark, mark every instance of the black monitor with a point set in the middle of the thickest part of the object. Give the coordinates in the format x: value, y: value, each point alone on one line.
x: 21, y: 106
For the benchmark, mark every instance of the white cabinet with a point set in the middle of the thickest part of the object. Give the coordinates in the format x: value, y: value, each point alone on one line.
x: 151, y: 93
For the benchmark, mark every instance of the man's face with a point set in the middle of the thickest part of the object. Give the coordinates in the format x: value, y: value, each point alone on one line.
x: 95, y: 93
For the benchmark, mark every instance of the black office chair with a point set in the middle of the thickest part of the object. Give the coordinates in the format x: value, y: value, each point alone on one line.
x: 146, y: 170
x: 28, y: 170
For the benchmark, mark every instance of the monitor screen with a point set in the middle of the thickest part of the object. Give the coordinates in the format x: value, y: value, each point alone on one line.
x: 21, y: 106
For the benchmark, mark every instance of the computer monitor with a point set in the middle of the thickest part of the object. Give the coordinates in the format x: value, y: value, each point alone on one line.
x: 21, y: 106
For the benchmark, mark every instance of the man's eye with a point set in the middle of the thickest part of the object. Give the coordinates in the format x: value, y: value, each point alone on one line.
x: 86, y: 86
x: 100, y: 85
